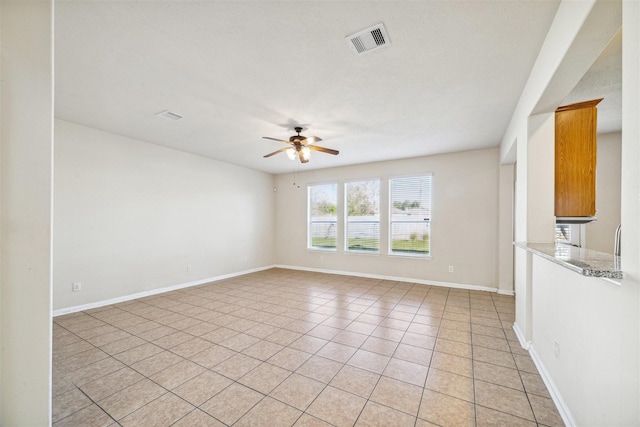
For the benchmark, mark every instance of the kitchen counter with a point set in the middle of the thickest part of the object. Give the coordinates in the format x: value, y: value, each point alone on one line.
x: 582, y: 261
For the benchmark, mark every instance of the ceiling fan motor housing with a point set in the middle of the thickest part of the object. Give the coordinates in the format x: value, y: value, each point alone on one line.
x: 297, y: 138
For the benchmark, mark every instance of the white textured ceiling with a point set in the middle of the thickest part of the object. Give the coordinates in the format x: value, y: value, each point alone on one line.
x: 240, y: 70
x: 603, y: 80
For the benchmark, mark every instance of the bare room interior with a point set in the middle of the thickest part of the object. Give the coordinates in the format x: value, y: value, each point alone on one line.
x: 320, y: 213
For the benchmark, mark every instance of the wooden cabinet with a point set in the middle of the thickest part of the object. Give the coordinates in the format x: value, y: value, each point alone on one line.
x: 575, y: 159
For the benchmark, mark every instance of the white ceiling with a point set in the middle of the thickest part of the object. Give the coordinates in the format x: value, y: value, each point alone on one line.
x: 603, y: 80
x: 240, y: 70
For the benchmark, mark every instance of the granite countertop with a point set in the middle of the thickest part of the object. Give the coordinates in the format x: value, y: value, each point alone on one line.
x: 583, y: 261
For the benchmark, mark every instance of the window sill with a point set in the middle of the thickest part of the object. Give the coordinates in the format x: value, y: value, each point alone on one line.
x: 427, y: 257
x: 369, y: 253
x: 328, y: 250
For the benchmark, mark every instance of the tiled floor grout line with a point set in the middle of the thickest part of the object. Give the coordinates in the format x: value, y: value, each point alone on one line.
x: 473, y: 373
x: 424, y: 388
x: 94, y: 402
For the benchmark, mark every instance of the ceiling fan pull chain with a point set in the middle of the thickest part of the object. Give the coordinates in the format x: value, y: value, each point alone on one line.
x: 295, y: 175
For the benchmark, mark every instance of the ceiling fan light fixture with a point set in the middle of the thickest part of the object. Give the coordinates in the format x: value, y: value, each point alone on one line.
x: 306, y: 153
x: 311, y: 140
x: 300, y: 146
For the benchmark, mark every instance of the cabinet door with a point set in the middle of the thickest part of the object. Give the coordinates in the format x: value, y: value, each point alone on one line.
x: 575, y: 162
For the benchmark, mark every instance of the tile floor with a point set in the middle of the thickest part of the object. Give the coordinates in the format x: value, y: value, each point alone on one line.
x: 284, y: 348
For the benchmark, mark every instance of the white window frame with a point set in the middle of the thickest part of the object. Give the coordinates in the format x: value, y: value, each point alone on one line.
x: 347, y: 222
x: 311, y: 221
x: 419, y: 219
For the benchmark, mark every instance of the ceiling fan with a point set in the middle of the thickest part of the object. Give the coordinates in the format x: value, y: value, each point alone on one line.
x: 301, y: 145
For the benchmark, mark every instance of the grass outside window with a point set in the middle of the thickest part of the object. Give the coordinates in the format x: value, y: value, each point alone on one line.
x: 420, y: 247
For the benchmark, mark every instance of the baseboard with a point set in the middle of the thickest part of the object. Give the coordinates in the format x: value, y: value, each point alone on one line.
x: 125, y: 298
x: 394, y: 278
x: 567, y: 418
x: 523, y: 341
x: 503, y: 292
x: 553, y: 390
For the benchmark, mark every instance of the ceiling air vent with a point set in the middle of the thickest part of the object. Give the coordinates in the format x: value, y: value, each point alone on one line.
x: 169, y: 115
x: 370, y: 39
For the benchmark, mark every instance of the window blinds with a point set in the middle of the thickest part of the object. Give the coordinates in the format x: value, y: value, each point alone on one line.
x: 322, y: 216
x: 410, y: 215
x: 362, y: 201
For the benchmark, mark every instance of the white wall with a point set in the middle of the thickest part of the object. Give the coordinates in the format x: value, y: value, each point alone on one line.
x: 132, y: 217
x: 599, y: 235
x: 26, y: 76
x: 595, y: 325
x: 630, y: 192
x: 464, y: 229
x: 505, y: 230
x: 541, y: 221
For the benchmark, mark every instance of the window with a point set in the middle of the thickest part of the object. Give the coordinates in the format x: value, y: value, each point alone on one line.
x: 570, y: 234
x: 563, y: 233
x: 362, y: 201
x: 410, y: 215
x: 322, y: 216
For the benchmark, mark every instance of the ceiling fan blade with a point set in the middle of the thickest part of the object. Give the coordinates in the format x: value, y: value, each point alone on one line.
x: 324, y: 150
x: 310, y: 140
x: 276, y: 139
x: 276, y: 152
x: 302, y: 159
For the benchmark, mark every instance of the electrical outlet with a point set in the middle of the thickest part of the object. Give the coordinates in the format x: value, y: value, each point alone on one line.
x: 451, y: 269
x: 188, y: 269
x: 77, y: 287
x: 556, y: 348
